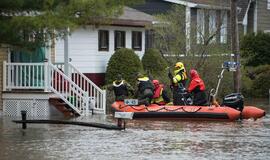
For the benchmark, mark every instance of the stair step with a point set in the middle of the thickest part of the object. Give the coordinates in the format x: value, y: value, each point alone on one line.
x: 62, y: 106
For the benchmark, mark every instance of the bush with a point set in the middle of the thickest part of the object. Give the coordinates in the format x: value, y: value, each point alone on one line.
x: 256, y: 82
x: 154, y: 63
x: 255, y: 49
x: 125, y: 62
x: 261, y: 85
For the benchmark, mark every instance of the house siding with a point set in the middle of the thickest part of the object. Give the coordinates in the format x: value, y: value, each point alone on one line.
x: 263, y: 18
x: 3, y: 57
x: 83, y: 48
x: 250, y: 25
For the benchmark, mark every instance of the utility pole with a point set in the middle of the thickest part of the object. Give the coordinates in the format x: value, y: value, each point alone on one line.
x: 235, y: 45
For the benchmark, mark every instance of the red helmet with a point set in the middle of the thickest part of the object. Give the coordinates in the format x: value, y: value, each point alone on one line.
x: 193, y: 73
x: 155, y: 82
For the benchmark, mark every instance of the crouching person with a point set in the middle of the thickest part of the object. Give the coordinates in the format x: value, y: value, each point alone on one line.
x: 145, y: 89
x: 160, y: 96
x: 122, y: 89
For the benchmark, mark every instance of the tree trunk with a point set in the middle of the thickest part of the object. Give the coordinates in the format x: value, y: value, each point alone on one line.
x: 235, y: 44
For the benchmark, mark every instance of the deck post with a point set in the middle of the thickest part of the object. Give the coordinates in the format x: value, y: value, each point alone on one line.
x: 4, y: 75
x: 23, y: 113
x: 46, y: 76
x: 104, y: 101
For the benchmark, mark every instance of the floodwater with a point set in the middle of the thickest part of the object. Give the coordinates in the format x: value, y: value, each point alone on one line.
x: 142, y: 140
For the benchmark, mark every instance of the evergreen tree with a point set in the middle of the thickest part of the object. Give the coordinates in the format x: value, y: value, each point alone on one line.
x: 30, y: 24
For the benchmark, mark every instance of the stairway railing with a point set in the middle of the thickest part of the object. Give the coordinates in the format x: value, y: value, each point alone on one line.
x: 67, y: 90
x: 97, y: 96
x: 45, y: 76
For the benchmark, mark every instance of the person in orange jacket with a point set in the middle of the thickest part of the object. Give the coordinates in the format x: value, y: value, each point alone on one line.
x: 160, y: 96
x: 197, y: 89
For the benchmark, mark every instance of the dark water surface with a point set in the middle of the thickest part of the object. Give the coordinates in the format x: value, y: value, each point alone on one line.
x: 142, y: 139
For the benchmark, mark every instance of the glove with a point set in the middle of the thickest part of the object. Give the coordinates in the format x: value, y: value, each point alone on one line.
x: 170, y: 75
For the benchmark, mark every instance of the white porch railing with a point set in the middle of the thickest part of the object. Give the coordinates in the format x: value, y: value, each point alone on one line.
x: 97, y: 96
x: 77, y: 91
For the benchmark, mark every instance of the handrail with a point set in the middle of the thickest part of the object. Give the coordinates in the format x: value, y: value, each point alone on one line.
x: 66, y: 89
x: 48, y: 77
x: 97, y: 95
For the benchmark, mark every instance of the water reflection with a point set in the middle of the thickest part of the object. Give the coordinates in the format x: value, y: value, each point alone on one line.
x: 143, y: 139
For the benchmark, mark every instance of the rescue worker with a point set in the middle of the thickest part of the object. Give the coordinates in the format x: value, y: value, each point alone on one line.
x: 145, y: 89
x: 160, y: 96
x: 178, y: 80
x: 197, y: 89
x: 121, y: 88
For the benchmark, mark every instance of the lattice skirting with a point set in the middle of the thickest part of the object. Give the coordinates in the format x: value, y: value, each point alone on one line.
x: 34, y: 107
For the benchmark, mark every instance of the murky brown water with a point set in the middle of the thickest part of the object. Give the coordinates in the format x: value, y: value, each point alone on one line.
x: 141, y: 140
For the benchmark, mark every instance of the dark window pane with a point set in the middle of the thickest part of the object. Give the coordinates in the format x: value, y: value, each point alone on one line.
x: 103, y: 40
x: 137, y: 41
x: 119, y: 39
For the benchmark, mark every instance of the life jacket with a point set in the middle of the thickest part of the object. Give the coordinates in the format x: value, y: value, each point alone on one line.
x: 196, y: 83
x: 120, y: 88
x: 145, y: 83
x: 180, y: 78
x: 157, y: 97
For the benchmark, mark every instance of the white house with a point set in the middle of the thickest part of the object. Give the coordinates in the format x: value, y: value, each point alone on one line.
x: 90, y: 48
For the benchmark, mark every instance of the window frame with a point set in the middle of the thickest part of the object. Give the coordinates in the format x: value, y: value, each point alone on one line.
x: 136, y: 37
x: 268, y: 4
x: 224, y: 27
x: 200, y: 25
x: 212, y: 25
x: 100, y: 39
x: 123, y: 39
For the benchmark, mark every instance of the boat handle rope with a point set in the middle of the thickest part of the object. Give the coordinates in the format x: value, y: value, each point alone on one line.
x: 121, y: 107
x: 154, y: 110
x: 192, y: 111
x: 173, y: 110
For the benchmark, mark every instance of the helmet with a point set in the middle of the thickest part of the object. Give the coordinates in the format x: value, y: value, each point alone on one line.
x: 155, y: 82
x: 193, y: 73
x: 139, y: 75
x: 118, y: 77
x: 179, y: 65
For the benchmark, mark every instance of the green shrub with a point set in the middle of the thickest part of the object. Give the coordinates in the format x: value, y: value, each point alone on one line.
x: 256, y: 82
x: 255, y: 49
x: 154, y: 63
x: 125, y: 62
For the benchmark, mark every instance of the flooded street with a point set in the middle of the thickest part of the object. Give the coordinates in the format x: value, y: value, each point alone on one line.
x: 142, y: 139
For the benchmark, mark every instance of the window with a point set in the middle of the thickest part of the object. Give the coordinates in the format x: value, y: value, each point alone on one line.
x: 268, y: 4
x: 200, y: 26
x: 212, y: 25
x: 223, y: 27
x: 119, y: 39
x: 103, y: 40
x: 137, y: 41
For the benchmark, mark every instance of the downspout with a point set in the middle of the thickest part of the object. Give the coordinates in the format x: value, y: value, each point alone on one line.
x: 66, y: 53
x: 188, y: 24
x: 255, y: 29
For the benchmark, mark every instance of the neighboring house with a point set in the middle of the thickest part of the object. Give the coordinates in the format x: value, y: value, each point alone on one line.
x: 254, y: 16
x: 91, y: 47
x: 205, y: 16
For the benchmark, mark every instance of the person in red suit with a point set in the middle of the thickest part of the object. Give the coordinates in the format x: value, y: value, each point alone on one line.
x: 160, y: 96
x: 197, y: 89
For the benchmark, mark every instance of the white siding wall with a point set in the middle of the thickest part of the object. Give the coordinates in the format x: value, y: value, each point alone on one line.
x: 83, y: 48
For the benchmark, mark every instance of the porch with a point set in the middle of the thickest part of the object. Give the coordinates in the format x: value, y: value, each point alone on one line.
x: 36, y: 87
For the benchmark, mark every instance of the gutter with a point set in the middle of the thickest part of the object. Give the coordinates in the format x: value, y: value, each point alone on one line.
x: 196, y: 5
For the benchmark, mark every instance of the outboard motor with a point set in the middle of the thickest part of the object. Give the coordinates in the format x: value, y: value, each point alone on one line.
x: 234, y: 100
